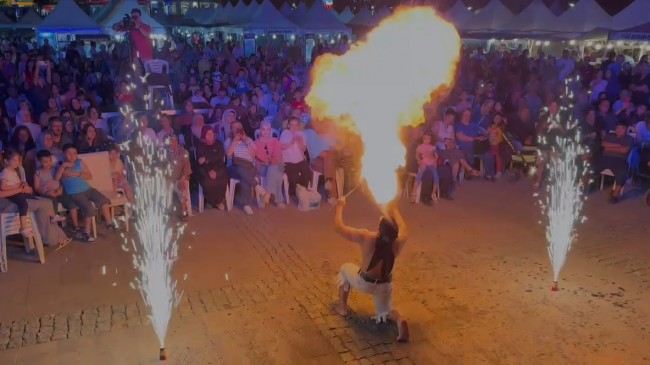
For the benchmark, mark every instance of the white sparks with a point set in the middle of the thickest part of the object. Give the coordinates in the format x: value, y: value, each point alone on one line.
x: 114, y: 284
x: 155, y: 249
x: 564, y: 199
x: 104, y: 270
x: 227, y: 278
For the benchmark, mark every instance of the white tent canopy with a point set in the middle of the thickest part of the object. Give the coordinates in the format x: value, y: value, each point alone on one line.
x: 317, y: 20
x: 6, y: 23
x: 345, y: 16
x: 585, y: 16
x: 381, y: 14
x: 265, y: 19
x: 29, y: 21
x: 634, y: 14
x: 536, y: 19
x: 67, y: 17
x: 459, y: 15
x: 125, y: 7
x: 363, y: 17
x: 489, y: 18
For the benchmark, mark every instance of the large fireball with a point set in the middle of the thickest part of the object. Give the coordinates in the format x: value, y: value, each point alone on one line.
x: 382, y: 84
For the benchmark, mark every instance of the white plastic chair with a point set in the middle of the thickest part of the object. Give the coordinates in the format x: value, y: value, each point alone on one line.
x: 608, y: 172
x: 10, y: 225
x: 230, y: 194
x: 159, y: 67
x: 100, y: 168
x: 285, y: 186
x: 339, y: 178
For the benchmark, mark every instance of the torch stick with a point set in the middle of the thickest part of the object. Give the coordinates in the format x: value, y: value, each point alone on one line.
x: 348, y: 194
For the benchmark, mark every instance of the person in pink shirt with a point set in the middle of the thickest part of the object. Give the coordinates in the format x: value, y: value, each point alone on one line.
x: 141, y: 46
x: 427, y: 158
x: 268, y: 159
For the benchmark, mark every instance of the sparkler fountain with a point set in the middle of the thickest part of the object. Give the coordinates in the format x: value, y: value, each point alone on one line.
x: 155, y: 247
x: 565, y: 189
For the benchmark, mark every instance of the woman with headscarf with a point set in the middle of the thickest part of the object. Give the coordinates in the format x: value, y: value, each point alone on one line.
x: 211, y: 168
x: 198, y: 122
x: 268, y: 159
x: 227, y: 119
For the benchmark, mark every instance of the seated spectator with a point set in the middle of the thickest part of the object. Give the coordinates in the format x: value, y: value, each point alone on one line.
x: 124, y: 96
x: 166, y: 128
x: 92, y: 140
x: 268, y: 159
x: 605, y: 118
x: 22, y: 141
x: 74, y: 175
x: 142, y: 128
x: 98, y: 122
x: 17, y: 189
x: 211, y: 169
x: 46, y: 142
x: 47, y: 186
x: 77, y: 111
x: 24, y: 118
x: 183, y: 122
x: 427, y: 160
x: 223, y: 129
x: 118, y: 173
x: 321, y: 141
x: 643, y: 131
x: 240, y: 151
x: 252, y: 120
x: 181, y: 172
x: 51, y: 111
x: 198, y: 122
x: 473, y: 143
x: 58, y: 138
x: 220, y: 99
x: 616, y: 148
x: 70, y: 131
x: 293, y: 145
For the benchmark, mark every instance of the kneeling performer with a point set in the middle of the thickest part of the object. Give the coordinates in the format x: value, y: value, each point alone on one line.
x: 378, y: 251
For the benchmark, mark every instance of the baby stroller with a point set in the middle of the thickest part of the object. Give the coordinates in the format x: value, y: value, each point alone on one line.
x: 523, y: 158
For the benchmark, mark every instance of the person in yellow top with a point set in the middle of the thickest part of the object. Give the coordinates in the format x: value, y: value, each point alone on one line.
x: 495, y: 136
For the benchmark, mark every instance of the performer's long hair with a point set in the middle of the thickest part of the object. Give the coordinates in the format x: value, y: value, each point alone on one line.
x: 386, y: 235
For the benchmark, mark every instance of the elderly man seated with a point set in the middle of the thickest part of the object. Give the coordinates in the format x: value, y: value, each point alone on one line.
x: 616, y: 148
x: 321, y: 143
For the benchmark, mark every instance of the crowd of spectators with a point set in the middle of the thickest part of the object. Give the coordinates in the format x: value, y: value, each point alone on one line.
x: 246, y: 118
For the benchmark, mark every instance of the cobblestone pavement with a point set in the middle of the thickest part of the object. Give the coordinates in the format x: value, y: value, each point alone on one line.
x: 474, y: 293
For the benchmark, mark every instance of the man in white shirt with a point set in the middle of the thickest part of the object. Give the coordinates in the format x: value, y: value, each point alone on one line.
x: 293, y: 145
x: 566, y: 65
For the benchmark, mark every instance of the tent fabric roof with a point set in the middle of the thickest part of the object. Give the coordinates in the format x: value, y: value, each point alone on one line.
x: 345, y: 16
x: 459, y: 15
x: 317, y: 19
x: 30, y: 20
x: 489, y: 18
x: 125, y: 7
x: 6, y: 23
x: 267, y: 18
x: 67, y: 16
x: 585, y: 16
x: 632, y: 15
x: 535, y: 19
x: 363, y: 17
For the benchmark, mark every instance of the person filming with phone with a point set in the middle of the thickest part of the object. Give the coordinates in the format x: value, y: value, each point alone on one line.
x: 141, y: 46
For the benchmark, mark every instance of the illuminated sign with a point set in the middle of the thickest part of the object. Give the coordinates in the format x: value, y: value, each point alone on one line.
x: 329, y: 4
x: 22, y: 3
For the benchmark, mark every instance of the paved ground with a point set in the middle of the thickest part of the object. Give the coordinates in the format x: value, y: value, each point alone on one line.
x: 474, y: 282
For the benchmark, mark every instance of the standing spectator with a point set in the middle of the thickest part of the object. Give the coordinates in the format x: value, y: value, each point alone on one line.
x: 179, y: 159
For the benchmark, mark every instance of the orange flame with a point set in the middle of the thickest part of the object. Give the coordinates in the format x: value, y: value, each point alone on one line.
x: 382, y: 84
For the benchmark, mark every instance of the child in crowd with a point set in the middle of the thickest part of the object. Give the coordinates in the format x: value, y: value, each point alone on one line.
x: 11, y: 181
x: 117, y: 173
x: 427, y: 158
x: 47, y: 185
x: 74, y: 175
x: 495, y: 137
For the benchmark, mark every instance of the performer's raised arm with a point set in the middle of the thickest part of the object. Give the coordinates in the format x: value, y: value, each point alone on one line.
x: 352, y: 234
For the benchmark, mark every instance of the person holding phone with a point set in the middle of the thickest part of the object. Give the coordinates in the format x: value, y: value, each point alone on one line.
x: 240, y: 150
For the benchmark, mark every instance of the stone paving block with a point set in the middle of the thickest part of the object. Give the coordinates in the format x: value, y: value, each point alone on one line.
x: 14, y: 343
x: 118, y: 308
x: 405, y: 361
x: 365, y: 361
x: 59, y: 335
x: 337, y: 344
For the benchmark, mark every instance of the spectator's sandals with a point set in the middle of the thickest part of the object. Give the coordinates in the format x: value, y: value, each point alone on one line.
x: 63, y: 243
x: 474, y: 173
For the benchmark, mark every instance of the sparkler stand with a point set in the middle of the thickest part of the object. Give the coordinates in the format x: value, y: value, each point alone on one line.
x: 163, y: 354
x: 554, y: 287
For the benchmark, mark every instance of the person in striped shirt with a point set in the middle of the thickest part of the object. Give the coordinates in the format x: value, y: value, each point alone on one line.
x: 240, y: 150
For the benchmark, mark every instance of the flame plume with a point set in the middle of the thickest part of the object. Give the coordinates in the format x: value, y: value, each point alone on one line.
x: 382, y: 84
